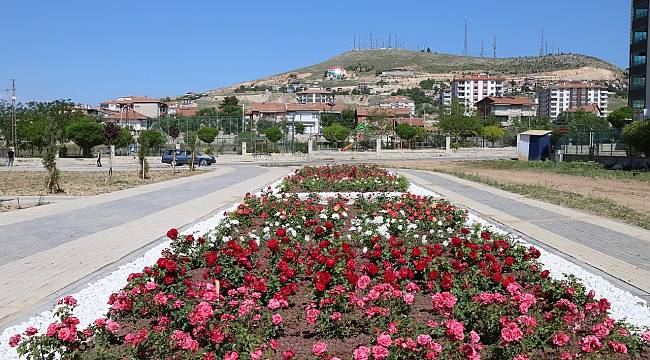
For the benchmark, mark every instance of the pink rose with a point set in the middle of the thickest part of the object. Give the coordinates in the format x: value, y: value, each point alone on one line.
x: 30, y: 331
x: 424, y: 340
x: 363, y: 282
x: 379, y: 352
x: 15, y: 340
x: 64, y: 334
x: 560, y: 339
x: 455, y: 330
x: 511, y: 333
x: 384, y: 340
x: 232, y: 355
x: 590, y: 343
x: 361, y: 353
x: 319, y: 348
x: 618, y: 347
x: 276, y: 319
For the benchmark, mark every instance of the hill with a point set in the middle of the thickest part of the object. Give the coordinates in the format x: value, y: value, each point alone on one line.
x: 383, y: 60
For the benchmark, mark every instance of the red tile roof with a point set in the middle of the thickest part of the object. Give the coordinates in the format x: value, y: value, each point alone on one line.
x: 129, y: 114
x: 369, y: 111
x: 268, y: 107
x: 316, y: 107
x: 590, y: 108
x: 410, y: 121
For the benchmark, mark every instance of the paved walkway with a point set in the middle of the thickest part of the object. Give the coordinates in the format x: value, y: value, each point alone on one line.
x: 618, y: 251
x: 48, y: 248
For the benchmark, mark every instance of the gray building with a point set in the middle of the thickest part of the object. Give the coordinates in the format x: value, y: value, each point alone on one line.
x: 639, y: 97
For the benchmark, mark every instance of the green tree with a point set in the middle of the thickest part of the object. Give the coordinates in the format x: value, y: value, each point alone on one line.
x: 207, y: 111
x: 151, y: 138
x: 230, y: 107
x: 581, y: 121
x: 619, y: 116
x: 35, y: 133
x: 143, y: 151
x: 86, y: 133
x: 336, y: 133
x: 405, y: 132
x: 460, y: 125
x: 421, y: 134
x: 124, y: 138
x: 327, y: 119
x: 207, y: 134
x: 492, y: 133
x: 111, y: 133
x: 637, y: 135
x: 348, y: 118
x: 274, y: 134
x: 300, y: 128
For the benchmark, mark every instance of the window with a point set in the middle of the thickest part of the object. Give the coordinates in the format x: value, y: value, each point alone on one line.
x: 639, y: 36
x: 637, y: 82
x: 639, y: 59
x: 638, y: 104
x: 641, y: 12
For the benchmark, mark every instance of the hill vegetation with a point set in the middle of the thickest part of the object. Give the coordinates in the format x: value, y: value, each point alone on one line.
x: 373, y: 61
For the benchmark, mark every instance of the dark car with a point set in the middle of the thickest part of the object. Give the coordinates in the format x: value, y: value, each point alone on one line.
x: 183, y: 157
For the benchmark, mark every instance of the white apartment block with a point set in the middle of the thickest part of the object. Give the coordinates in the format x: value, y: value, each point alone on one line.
x: 398, y: 102
x: 572, y: 95
x: 472, y: 89
x: 445, y: 97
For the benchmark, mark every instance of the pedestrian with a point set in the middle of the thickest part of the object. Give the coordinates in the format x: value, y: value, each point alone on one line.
x: 99, y: 159
x: 10, y: 157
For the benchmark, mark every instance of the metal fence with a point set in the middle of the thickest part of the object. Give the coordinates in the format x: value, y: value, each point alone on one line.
x: 595, y: 143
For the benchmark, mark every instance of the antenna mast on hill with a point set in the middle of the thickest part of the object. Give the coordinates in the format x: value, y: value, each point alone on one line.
x: 494, y: 47
x: 465, y: 49
x: 541, y: 45
x: 482, y: 48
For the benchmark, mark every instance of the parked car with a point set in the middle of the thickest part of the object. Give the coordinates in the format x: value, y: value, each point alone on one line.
x: 183, y: 157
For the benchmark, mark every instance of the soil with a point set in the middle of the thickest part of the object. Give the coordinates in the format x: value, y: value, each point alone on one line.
x: 81, y: 183
x: 635, y: 195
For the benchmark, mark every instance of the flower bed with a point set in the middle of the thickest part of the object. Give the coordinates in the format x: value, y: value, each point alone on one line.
x: 343, y: 178
x: 382, y: 277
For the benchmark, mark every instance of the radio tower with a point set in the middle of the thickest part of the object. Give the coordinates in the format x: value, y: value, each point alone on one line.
x: 482, y: 48
x: 494, y: 47
x: 541, y: 45
x: 465, y: 49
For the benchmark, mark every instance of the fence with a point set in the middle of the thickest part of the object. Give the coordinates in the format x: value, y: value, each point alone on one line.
x: 595, y: 143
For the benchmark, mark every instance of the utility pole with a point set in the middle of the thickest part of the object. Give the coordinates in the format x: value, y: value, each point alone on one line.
x: 13, y: 116
x: 465, y: 49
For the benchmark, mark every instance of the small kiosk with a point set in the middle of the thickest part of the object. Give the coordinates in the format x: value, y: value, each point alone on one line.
x: 534, y: 145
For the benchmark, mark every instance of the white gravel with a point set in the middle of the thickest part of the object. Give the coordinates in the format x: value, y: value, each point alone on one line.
x: 92, y: 299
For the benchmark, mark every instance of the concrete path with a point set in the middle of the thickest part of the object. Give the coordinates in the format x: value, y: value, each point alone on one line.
x: 47, y: 248
x: 615, y: 250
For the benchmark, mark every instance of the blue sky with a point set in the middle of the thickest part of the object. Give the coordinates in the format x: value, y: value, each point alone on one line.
x: 91, y: 50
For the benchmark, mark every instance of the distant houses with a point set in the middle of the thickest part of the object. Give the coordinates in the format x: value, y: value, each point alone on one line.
x: 506, y: 109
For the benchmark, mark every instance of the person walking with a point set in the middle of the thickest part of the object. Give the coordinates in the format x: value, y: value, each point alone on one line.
x: 10, y: 157
x: 99, y: 159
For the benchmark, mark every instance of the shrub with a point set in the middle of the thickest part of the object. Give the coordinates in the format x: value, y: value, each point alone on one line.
x: 637, y: 135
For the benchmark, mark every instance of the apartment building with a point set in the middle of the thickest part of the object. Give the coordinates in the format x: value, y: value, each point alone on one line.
x: 569, y: 95
x: 445, y: 97
x: 506, y: 109
x: 639, y: 97
x: 152, y: 108
x: 398, y: 102
x: 315, y: 96
x: 471, y: 89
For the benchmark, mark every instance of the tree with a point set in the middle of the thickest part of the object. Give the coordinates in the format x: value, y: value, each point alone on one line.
x: 405, y: 132
x: 151, y: 138
x: 229, y: 107
x: 192, y: 143
x: 49, y: 162
x: 274, y: 134
x: 207, y: 134
x: 619, y: 116
x: 637, y: 135
x: 111, y: 133
x: 142, y: 156
x: 300, y: 128
x: 86, y: 133
x: 460, y: 125
x: 336, y: 133
x: 581, y: 121
x: 348, y: 118
x: 207, y: 111
x: 492, y: 133
x: 124, y: 138
x: 327, y: 119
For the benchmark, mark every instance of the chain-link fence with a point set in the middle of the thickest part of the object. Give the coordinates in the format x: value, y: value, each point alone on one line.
x: 595, y: 143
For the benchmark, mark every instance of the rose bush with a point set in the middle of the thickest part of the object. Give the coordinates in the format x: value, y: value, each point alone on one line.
x: 343, y: 178
x: 375, y: 278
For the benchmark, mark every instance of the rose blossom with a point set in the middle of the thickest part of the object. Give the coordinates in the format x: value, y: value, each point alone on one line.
x: 590, y: 343
x: 319, y: 348
x: 560, y: 339
x: 276, y: 319
x: 31, y: 331
x: 361, y: 353
x: 15, y: 340
x: 379, y: 352
x: 384, y: 340
x: 363, y: 282
x: 424, y: 340
x: 511, y: 333
x: 455, y: 330
x: 618, y: 347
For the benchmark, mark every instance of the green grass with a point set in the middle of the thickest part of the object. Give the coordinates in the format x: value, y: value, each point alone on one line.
x: 575, y: 168
x: 594, y: 204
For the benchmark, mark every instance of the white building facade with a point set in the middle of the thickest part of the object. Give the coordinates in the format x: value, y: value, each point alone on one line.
x: 472, y: 89
x: 571, y: 95
x: 398, y: 102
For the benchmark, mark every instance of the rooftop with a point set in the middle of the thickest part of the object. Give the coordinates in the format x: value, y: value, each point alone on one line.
x: 507, y: 100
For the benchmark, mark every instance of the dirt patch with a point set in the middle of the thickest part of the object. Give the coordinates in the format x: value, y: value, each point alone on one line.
x: 635, y: 195
x: 81, y: 183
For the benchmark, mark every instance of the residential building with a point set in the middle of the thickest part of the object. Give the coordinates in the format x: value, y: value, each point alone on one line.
x: 309, y: 115
x: 571, y: 94
x: 445, y: 97
x: 398, y: 102
x: 128, y: 118
x: 152, y: 108
x: 368, y: 114
x: 471, y: 89
x: 506, y: 109
x: 315, y: 96
x: 590, y: 108
x: 269, y: 111
x: 639, y: 97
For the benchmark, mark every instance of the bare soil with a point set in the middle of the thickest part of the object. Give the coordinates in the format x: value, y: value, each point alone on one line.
x: 635, y: 195
x: 81, y: 183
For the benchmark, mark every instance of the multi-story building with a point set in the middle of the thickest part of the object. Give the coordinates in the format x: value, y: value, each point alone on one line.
x: 315, y: 96
x: 639, y: 97
x: 143, y: 105
x: 445, y: 97
x: 506, y: 109
x: 471, y: 89
x: 569, y: 95
x: 398, y: 102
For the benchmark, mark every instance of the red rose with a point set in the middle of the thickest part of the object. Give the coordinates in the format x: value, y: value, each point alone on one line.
x: 456, y: 241
x: 172, y: 233
x: 545, y: 274
x: 510, y: 260
x: 281, y: 232
x: 211, y: 257
x: 319, y: 230
x: 273, y: 244
x: 328, y: 225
